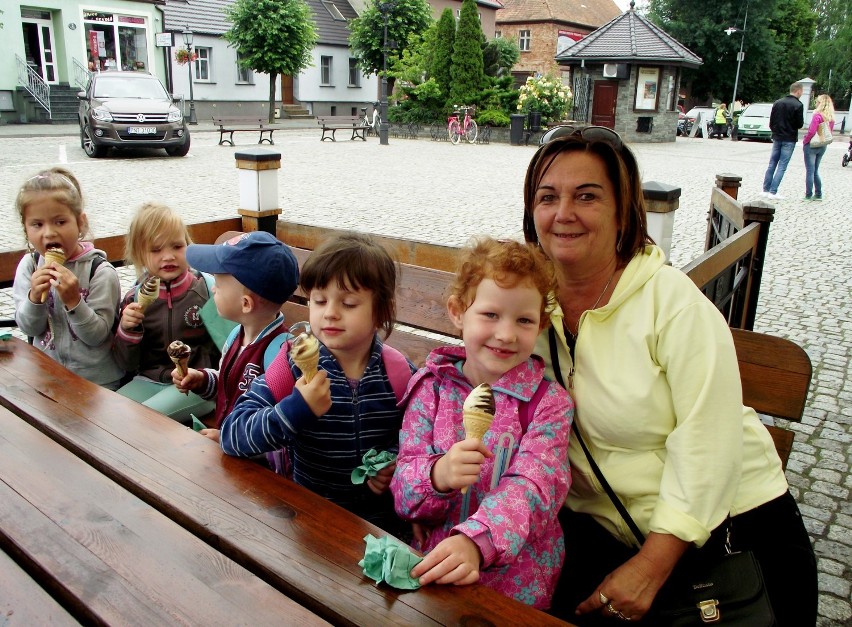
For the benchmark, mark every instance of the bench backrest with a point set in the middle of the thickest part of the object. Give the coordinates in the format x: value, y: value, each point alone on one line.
x: 776, y: 376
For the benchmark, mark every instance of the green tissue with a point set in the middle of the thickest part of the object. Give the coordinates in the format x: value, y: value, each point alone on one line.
x: 373, y: 463
x: 197, y: 425
x: 387, y: 559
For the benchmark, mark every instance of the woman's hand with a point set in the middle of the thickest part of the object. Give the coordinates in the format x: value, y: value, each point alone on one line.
x: 630, y: 589
x: 131, y: 316
x: 455, y: 560
x: 381, y: 482
x: 317, y: 393
x: 460, y: 466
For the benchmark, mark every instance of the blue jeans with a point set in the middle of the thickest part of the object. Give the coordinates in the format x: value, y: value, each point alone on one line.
x: 812, y: 158
x: 778, y: 160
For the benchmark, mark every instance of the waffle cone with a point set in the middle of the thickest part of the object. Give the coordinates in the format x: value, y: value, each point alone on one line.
x: 53, y: 255
x: 182, y: 365
x: 149, y: 291
x: 305, y: 352
x: 476, y: 423
x: 308, y: 364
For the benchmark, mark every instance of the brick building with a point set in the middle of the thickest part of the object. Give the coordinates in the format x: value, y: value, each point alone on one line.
x: 543, y: 29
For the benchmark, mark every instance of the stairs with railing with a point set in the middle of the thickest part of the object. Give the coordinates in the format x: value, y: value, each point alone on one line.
x: 51, y: 104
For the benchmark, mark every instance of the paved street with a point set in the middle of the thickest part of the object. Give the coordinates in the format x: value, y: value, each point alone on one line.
x: 440, y: 193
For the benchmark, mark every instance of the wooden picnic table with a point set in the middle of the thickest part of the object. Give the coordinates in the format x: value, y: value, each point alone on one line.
x: 121, y: 515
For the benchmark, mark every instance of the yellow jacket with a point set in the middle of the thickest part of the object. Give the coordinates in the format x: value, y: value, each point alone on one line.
x: 659, y: 403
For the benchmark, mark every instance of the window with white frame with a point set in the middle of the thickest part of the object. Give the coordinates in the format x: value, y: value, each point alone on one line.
x: 333, y: 11
x: 354, y: 73
x: 202, y: 64
x: 524, y: 40
x: 245, y: 76
x: 325, y: 70
x: 497, y: 34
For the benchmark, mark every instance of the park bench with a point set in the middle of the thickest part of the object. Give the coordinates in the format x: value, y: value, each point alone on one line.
x: 236, y: 124
x: 333, y: 123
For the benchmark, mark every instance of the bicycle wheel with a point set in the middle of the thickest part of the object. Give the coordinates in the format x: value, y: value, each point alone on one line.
x: 455, y: 132
x: 471, y: 132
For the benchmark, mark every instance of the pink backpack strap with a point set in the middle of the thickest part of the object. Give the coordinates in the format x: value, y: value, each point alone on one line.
x: 399, y: 373
x: 527, y: 410
x: 279, y: 377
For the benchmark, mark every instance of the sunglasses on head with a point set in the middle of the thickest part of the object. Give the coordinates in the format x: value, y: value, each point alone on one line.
x: 589, y: 133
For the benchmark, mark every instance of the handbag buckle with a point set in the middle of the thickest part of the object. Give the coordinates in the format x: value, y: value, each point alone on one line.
x: 709, y: 610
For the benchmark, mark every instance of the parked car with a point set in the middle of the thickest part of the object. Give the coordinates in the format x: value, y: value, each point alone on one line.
x: 130, y: 110
x: 753, y: 122
x: 707, y: 114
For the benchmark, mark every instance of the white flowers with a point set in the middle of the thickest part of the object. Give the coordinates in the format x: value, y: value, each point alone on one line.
x: 547, y: 95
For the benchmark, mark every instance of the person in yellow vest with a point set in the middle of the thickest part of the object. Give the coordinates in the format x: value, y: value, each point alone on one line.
x: 720, y: 122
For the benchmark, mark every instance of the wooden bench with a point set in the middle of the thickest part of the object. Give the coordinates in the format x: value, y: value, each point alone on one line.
x: 334, y: 123
x: 775, y: 372
x: 236, y: 124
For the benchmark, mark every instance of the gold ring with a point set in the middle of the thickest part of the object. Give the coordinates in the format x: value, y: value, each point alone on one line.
x: 604, y: 599
x: 611, y: 609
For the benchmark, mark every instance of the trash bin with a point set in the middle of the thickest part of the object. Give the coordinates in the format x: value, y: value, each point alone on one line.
x: 516, y: 129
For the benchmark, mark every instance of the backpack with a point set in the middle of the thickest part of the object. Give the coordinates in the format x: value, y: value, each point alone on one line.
x: 282, y: 385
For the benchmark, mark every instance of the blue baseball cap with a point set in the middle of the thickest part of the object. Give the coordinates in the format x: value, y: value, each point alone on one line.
x: 260, y: 262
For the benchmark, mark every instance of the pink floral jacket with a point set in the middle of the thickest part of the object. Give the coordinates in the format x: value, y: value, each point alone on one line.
x: 511, y: 513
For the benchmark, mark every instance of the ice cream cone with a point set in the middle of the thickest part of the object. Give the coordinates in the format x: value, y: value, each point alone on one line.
x: 305, y: 352
x: 149, y: 291
x: 477, y: 413
x: 179, y: 354
x: 476, y: 423
x: 53, y: 255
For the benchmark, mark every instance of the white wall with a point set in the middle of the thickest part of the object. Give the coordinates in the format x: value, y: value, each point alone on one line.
x: 308, y: 90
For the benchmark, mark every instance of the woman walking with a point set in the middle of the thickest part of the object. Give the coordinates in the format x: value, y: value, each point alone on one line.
x: 824, y: 112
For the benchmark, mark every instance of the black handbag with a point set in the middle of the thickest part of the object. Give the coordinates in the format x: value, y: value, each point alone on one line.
x: 726, y: 588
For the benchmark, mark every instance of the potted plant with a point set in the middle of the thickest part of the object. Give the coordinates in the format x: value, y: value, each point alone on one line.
x: 545, y: 95
x: 183, y: 56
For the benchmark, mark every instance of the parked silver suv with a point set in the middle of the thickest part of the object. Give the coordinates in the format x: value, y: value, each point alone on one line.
x: 130, y: 110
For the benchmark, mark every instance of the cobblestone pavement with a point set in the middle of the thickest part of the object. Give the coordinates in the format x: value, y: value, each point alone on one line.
x: 440, y: 193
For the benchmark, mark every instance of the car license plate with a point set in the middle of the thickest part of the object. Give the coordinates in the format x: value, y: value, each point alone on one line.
x: 141, y: 130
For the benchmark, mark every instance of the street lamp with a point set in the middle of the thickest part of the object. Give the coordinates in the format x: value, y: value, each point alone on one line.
x: 187, y: 40
x: 740, y: 55
x: 384, y: 9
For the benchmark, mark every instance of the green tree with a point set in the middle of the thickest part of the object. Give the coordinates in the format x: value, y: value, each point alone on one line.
x: 273, y: 37
x: 468, y: 75
x: 499, y: 56
x: 441, y: 64
x: 406, y: 19
x: 830, y: 63
x: 774, y: 54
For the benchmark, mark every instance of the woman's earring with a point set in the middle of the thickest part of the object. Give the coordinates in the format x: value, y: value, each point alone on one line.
x: 80, y: 237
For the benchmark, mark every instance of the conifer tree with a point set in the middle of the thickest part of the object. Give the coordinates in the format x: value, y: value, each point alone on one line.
x: 442, y: 56
x: 468, y: 75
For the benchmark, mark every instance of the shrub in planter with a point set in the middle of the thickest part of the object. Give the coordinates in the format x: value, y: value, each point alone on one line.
x: 492, y: 117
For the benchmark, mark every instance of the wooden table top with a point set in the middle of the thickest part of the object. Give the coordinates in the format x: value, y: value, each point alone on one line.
x: 289, y: 538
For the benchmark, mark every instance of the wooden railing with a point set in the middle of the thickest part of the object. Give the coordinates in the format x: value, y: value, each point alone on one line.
x: 730, y: 270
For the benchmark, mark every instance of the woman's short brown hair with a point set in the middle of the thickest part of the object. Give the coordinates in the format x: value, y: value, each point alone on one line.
x: 623, y: 173
x: 355, y: 261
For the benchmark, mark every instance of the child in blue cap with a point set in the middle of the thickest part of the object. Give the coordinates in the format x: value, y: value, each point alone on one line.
x: 255, y: 274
